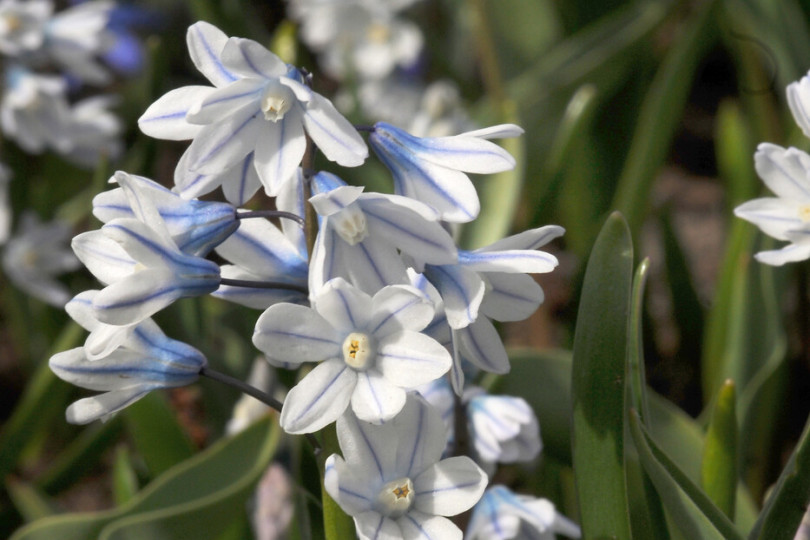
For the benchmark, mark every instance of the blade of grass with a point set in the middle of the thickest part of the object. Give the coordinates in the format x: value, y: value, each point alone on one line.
x: 719, y: 468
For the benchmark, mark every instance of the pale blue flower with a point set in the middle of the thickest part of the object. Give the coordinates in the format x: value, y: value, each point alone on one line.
x: 503, y: 515
x: 143, y: 269
x: 258, y: 104
x: 362, y: 234
x: 392, y: 480
x: 431, y: 169
x: 195, y: 226
x: 370, y: 351
x: 151, y: 361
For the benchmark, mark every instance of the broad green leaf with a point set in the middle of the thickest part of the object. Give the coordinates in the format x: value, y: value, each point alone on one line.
x: 789, y: 500
x: 198, y: 498
x: 156, y: 433
x: 543, y: 378
x: 42, y: 403
x: 718, y: 476
x: 598, y: 384
x: 691, y: 510
x: 661, y: 113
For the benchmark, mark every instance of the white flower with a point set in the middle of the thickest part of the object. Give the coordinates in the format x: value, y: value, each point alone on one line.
x: 93, y: 131
x: 22, y: 24
x: 391, y: 480
x: 36, y: 255
x: 370, y: 351
x: 363, y: 37
x: 143, y: 269
x: 274, y: 504
x: 34, y: 110
x: 786, y: 172
x: 503, y: 515
x: 249, y: 409
x: 195, y: 226
x: 125, y: 374
x: 361, y: 233
x: 430, y: 169
x: 77, y: 36
x: 258, y: 104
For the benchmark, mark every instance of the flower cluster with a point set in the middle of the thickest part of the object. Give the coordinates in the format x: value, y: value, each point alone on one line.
x: 48, y: 58
x: 377, y: 293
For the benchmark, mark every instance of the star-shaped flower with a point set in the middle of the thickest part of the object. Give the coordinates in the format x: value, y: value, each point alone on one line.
x: 369, y: 348
x: 258, y: 104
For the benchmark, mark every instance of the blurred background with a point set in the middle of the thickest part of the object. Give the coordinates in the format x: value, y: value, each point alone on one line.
x: 650, y: 107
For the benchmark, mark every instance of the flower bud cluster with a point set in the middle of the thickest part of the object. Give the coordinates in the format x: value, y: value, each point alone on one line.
x: 377, y: 295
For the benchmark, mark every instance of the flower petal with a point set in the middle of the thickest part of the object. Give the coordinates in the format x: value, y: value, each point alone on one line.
x: 241, y: 182
x: 166, y: 117
x: 798, y: 97
x: 279, y: 149
x: 775, y: 217
x: 103, y: 256
x: 224, y: 101
x: 247, y: 58
x: 319, y: 399
x: 334, y: 135
x: 449, y: 487
x: 790, y: 253
x: 98, y: 407
x: 417, y: 525
x: 205, y: 43
x: 784, y: 171
x: 288, y: 333
x: 372, y: 525
x: 531, y: 239
x: 409, y: 358
x: 480, y: 344
x: 399, y: 307
x: 462, y: 291
x: 422, y: 440
x: 376, y: 399
x: 511, y: 297
x: 514, y: 261
x: 219, y: 146
x: 137, y: 296
x: 347, y: 308
x: 353, y: 493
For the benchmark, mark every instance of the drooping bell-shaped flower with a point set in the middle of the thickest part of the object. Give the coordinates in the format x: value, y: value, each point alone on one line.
x: 392, y: 480
x: 504, y: 515
x: 370, y: 351
x: 143, y: 269
x: 195, y: 226
x: 258, y: 104
x: 431, y: 169
x: 127, y: 374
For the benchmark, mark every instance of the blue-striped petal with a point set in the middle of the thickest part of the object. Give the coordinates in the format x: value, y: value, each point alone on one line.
x: 449, y: 487
x: 292, y: 334
x: 319, y: 399
x: 247, y: 58
x: 462, y: 291
x: 280, y: 146
x: 376, y: 399
x: 166, y: 117
x: 205, y: 43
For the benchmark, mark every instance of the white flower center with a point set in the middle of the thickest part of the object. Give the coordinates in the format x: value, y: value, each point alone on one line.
x: 358, y: 350
x: 350, y: 224
x: 9, y: 23
x: 276, y: 101
x: 395, y: 497
x: 804, y: 212
x: 378, y: 32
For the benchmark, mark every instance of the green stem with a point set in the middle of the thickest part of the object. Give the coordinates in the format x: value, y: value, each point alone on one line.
x: 336, y: 524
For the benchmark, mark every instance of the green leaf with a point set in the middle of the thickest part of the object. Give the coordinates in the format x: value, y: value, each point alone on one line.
x: 661, y: 114
x: 124, y: 479
x: 635, y: 346
x: 719, y: 470
x: 598, y: 384
x: 789, y: 500
x: 157, y: 435
x: 691, y: 510
x: 29, y: 501
x: 198, y: 498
